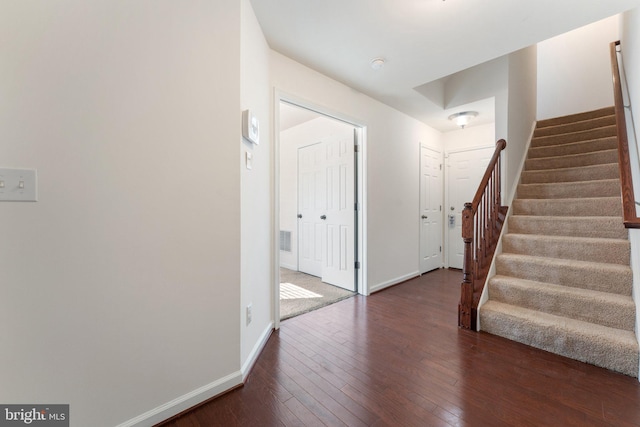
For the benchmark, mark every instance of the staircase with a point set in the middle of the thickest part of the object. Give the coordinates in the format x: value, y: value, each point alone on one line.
x: 563, y: 281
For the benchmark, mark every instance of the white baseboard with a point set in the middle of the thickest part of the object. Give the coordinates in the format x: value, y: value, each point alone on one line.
x: 191, y: 399
x: 182, y: 403
x: 381, y: 286
x: 288, y: 266
x: 255, y: 352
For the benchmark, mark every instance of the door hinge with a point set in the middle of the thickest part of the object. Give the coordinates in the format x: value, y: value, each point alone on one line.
x: 356, y: 148
x: 440, y: 248
x: 357, y: 265
x: 356, y: 207
x: 440, y: 166
x: 440, y: 208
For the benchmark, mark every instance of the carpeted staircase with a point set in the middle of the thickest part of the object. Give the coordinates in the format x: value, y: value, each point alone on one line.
x: 563, y: 281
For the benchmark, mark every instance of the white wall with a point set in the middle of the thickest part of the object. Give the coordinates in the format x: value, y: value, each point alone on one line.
x: 121, y: 285
x: 256, y: 223
x: 521, y: 114
x: 316, y: 130
x: 392, y: 167
x: 574, y: 73
x: 630, y: 43
x: 469, y: 137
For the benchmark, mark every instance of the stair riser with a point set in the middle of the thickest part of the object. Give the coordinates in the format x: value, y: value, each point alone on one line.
x: 567, y: 138
x: 608, y: 188
x: 572, y: 161
x: 613, y: 314
x: 572, y: 118
x: 576, y: 126
x: 575, y: 148
x: 556, y: 340
x: 594, y: 277
x: 610, y: 251
x: 603, y: 227
x: 587, y: 173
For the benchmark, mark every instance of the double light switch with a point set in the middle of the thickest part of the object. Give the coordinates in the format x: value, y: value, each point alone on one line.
x: 18, y: 185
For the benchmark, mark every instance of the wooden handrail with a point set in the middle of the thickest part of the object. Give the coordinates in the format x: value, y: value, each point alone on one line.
x: 482, y: 221
x: 630, y: 216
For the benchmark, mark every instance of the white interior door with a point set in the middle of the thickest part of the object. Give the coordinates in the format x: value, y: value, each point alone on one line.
x: 339, y: 265
x: 326, y: 215
x: 312, y: 203
x: 465, y: 170
x: 430, y: 209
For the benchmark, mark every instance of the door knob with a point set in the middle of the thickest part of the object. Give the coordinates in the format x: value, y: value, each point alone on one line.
x: 424, y: 217
x: 299, y: 215
x: 323, y: 217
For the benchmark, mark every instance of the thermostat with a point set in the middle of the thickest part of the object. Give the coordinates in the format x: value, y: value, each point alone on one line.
x: 250, y: 127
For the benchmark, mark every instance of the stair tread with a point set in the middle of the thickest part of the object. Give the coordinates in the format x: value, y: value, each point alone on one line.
x: 614, y: 335
x: 569, y: 146
x: 613, y: 268
x: 576, y: 117
x: 572, y: 160
x: 603, y: 308
x: 611, y: 348
x: 579, y: 240
x: 571, y: 174
x: 577, y: 226
x: 573, y: 156
x: 539, y: 141
x: 567, y: 290
x: 571, y: 183
x: 589, y: 123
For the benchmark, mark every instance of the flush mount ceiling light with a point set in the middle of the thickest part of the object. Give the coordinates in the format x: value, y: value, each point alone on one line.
x: 463, y: 118
x: 377, y: 63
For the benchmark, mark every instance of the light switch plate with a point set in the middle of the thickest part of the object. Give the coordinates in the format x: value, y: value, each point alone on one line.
x: 18, y: 185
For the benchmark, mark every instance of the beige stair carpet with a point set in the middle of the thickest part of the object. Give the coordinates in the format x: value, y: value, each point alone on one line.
x: 563, y: 281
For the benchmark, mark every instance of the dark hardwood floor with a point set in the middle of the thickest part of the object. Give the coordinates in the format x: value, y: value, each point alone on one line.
x: 397, y: 358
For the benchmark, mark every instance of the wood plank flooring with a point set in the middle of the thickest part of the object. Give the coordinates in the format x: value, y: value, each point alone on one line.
x: 397, y: 358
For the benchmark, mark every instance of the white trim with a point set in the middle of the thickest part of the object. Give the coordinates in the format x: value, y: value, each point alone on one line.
x: 289, y: 266
x: 275, y: 194
x: 255, y: 352
x: 392, y: 282
x: 182, y: 403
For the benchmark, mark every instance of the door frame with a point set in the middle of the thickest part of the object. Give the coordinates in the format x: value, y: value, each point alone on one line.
x: 360, y: 173
x: 445, y: 216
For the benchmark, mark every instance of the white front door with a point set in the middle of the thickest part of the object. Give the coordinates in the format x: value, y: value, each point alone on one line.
x: 430, y: 210
x: 326, y: 210
x: 465, y: 170
x: 312, y: 204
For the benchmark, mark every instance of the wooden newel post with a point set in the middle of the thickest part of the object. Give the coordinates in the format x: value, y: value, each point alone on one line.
x: 465, y: 312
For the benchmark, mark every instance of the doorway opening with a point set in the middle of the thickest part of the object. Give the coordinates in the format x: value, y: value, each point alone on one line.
x: 318, y: 208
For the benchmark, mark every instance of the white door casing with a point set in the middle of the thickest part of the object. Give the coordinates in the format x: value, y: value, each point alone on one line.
x: 430, y: 209
x: 465, y: 170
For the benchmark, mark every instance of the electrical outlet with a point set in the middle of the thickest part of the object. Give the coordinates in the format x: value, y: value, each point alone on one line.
x: 249, y: 314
